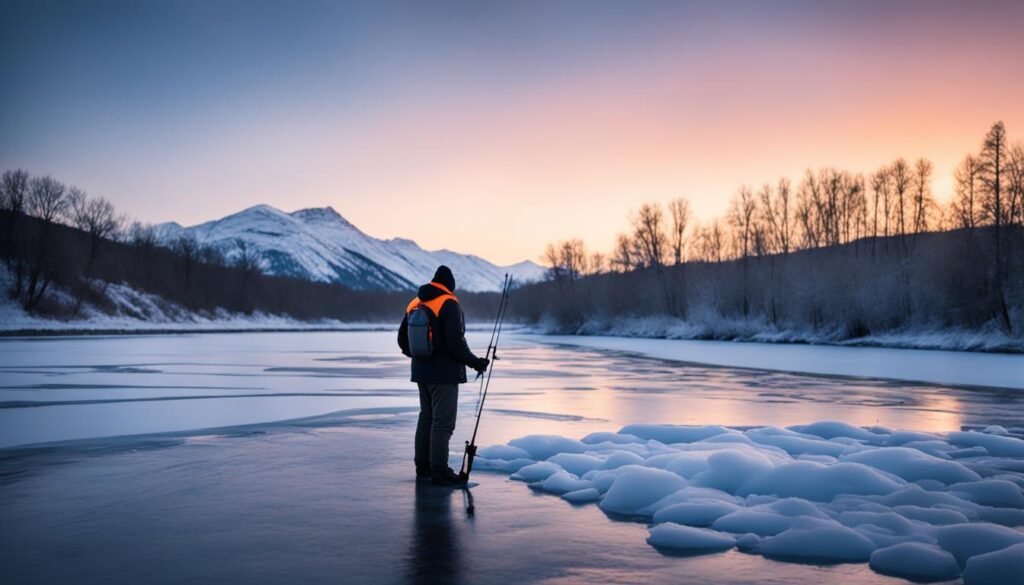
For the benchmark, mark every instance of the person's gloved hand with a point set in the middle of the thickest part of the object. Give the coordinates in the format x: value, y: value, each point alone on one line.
x: 481, y: 365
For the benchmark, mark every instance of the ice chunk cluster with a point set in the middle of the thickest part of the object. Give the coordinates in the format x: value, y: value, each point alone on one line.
x: 923, y: 506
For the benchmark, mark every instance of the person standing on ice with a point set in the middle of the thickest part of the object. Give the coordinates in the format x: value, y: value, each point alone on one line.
x: 433, y: 334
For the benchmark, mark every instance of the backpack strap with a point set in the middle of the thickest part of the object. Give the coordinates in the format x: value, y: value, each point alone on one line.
x: 433, y: 304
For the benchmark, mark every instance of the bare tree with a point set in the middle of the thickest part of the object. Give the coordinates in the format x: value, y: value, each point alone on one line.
x: 552, y: 257
x: 807, y: 206
x: 597, y: 264
x: 14, y: 190
x: 47, y: 199
x: 13, y: 193
x: 1015, y: 185
x: 187, y: 250
x: 775, y: 209
x: 923, y: 202
x: 567, y: 260
x: 680, y: 211
x: 742, y: 208
x: 882, y: 185
x: 649, y: 235
x: 967, y: 181
x: 97, y: 218
x: 878, y: 180
x: 901, y: 181
x: 623, y: 258
x: 993, y: 178
x: 993, y: 161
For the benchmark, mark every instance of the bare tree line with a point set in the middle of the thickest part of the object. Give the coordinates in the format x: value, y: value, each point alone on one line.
x: 878, y: 215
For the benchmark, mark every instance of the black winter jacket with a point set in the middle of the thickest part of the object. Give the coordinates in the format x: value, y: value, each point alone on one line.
x: 451, y: 353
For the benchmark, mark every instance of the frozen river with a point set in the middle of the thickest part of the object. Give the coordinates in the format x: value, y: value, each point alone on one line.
x: 263, y: 457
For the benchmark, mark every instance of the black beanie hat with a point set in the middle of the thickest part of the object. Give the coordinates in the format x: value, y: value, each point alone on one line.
x: 444, y: 276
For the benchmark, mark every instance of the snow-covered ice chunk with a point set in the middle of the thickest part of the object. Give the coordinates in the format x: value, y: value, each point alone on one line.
x: 991, y: 492
x: 749, y: 543
x: 501, y: 465
x: 996, y: 445
x: 537, y: 472
x: 672, y: 433
x: 919, y: 505
x: 820, y: 482
x: 542, y: 447
x: 996, y: 568
x: 576, y: 463
x: 913, y: 465
x: 831, y: 429
x: 967, y: 540
x: 695, y: 513
x: 562, y: 482
x: 820, y: 541
x: 620, y: 458
x: 915, y: 561
x: 935, y: 516
x: 759, y: 522
x: 606, y: 437
x: 728, y: 470
x: 890, y: 521
x: 795, y: 445
x: 504, y: 452
x: 791, y: 507
x: 638, y: 487
x: 583, y: 496
x: 689, y: 539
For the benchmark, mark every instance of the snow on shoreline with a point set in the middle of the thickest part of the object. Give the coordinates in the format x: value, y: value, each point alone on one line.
x: 986, y: 339
x: 923, y: 506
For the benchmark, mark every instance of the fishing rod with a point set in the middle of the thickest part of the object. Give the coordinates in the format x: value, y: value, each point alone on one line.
x: 485, y: 382
x: 494, y: 330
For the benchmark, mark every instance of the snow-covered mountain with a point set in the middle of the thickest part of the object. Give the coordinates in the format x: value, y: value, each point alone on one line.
x: 319, y: 244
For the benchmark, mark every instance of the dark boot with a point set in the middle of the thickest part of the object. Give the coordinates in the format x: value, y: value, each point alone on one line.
x: 423, y: 473
x: 447, y: 478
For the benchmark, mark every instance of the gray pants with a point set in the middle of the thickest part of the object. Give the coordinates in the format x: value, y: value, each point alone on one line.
x: 438, y: 405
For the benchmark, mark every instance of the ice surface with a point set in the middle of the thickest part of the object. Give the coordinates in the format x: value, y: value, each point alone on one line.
x: 942, y: 367
x: 896, y: 499
x: 313, y: 475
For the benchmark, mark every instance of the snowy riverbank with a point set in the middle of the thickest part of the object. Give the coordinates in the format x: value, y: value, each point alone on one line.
x: 717, y: 328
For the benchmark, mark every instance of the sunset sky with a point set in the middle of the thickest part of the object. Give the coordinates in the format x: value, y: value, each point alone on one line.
x: 491, y: 128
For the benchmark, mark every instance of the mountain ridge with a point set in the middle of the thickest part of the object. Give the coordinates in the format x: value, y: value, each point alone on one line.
x: 319, y: 244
